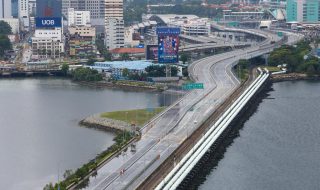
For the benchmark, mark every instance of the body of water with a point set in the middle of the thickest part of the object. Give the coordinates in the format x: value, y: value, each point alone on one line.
x: 40, y: 136
x: 278, y: 147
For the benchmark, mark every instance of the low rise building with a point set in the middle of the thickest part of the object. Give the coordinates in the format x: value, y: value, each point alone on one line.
x: 132, y: 52
x: 47, y: 43
x: 82, y: 41
x: 116, y: 67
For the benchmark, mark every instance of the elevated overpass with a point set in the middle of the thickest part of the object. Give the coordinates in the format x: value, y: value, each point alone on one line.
x: 208, y: 46
x: 169, y: 130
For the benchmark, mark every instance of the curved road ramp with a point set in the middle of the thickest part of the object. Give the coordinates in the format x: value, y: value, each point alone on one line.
x: 161, y: 137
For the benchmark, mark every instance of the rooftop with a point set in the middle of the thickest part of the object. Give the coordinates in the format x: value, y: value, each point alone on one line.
x: 131, y: 65
x: 127, y: 50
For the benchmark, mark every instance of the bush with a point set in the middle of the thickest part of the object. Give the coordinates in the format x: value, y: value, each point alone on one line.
x: 86, y: 74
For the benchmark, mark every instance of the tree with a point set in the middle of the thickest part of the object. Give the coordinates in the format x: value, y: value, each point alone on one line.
x: 243, y: 63
x: 44, y: 51
x: 185, y: 72
x: 65, y: 68
x: 184, y: 57
x: 5, y: 44
x: 174, y: 71
x: 311, y: 70
x: 107, y: 55
x: 125, y: 72
x: 48, y: 187
x: 91, y: 61
x: 5, y: 28
x: 67, y: 174
x: 125, y: 56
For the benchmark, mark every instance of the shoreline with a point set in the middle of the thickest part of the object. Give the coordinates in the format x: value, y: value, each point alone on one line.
x: 293, y: 77
x: 104, y: 124
x: 211, y: 159
x: 111, y: 85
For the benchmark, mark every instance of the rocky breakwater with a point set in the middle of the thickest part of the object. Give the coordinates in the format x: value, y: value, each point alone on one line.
x: 101, y: 123
x: 293, y: 76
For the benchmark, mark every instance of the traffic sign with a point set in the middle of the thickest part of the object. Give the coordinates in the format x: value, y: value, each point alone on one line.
x: 280, y: 34
x: 192, y: 86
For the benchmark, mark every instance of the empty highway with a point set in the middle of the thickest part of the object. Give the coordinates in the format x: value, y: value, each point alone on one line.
x: 167, y: 132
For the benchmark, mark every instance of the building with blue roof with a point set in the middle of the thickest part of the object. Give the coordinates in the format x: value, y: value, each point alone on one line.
x: 116, y: 67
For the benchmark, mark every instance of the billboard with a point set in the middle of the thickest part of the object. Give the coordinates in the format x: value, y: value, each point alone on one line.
x: 168, y: 44
x: 152, y: 52
x: 48, y: 22
x: 49, y: 8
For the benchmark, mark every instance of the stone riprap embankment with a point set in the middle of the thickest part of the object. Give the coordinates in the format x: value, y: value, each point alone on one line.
x: 102, y: 123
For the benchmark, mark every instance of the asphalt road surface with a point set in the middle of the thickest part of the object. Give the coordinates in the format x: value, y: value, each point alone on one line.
x: 167, y: 132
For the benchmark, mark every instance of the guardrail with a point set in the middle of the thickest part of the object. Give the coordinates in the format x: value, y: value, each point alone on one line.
x: 181, y: 170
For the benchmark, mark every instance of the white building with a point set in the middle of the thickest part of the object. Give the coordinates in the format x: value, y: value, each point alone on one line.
x: 14, y: 23
x: 129, y: 41
x: 47, y: 43
x: 94, y: 6
x: 78, y: 18
x: 114, y: 36
x: 114, y: 24
x: 23, y: 13
x: 198, y: 26
x: 5, y: 9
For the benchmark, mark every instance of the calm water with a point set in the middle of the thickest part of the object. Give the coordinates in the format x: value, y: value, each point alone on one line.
x: 279, y: 146
x: 40, y: 135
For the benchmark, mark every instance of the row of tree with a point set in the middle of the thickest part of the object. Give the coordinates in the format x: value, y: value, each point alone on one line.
x: 86, y: 74
x: 297, y: 58
x: 5, y: 43
x: 151, y: 71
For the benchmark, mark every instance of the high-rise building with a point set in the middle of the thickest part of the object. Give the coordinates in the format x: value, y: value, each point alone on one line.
x: 303, y: 11
x: 94, y: 6
x: 48, y: 39
x: 14, y: 8
x: 114, y: 30
x: 5, y: 9
x: 23, y: 13
x: 114, y: 33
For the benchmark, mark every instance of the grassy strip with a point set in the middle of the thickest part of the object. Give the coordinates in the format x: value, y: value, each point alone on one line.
x: 71, y: 178
x: 139, y: 84
x: 137, y: 117
x: 272, y: 68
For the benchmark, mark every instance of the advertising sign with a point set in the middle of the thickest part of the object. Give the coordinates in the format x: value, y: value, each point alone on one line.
x: 48, y: 22
x: 49, y: 8
x: 152, y: 52
x: 168, y: 45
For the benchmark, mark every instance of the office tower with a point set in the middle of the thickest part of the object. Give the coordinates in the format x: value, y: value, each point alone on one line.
x: 23, y: 13
x: 114, y: 24
x: 306, y: 11
x: 5, y: 9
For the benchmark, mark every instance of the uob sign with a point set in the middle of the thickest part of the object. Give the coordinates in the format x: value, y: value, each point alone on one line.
x: 48, y: 22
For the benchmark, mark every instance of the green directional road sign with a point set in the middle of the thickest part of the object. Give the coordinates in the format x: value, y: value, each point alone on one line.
x: 192, y: 86
x: 280, y: 34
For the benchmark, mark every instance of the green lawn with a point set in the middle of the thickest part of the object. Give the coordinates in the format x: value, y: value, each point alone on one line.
x: 272, y: 68
x: 138, y: 117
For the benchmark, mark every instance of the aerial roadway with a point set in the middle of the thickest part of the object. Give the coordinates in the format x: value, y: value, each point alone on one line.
x: 169, y: 130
